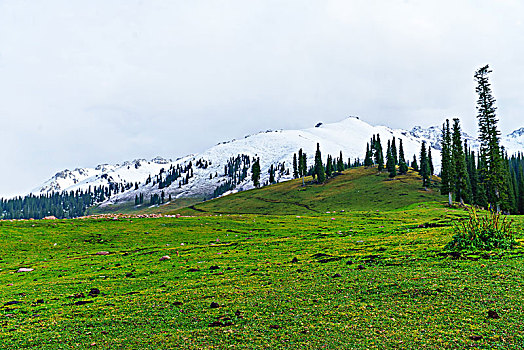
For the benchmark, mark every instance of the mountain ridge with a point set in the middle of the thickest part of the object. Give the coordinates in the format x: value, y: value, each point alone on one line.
x: 274, y: 147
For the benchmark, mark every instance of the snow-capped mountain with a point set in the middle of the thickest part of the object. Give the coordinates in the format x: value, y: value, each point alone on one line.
x: 226, y: 167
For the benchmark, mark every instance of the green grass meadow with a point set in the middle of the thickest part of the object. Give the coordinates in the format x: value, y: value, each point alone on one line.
x: 295, y: 279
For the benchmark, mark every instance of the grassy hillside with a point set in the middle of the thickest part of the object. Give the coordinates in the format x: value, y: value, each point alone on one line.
x: 355, y: 189
x: 357, y: 280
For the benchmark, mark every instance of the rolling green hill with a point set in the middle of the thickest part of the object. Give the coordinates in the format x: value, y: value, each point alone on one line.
x: 355, y: 189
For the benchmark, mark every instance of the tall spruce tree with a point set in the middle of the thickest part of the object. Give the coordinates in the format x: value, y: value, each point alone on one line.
x: 430, y: 162
x: 492, y: 168
x: 510, y: 204
x: 402, y: 166
x: 473, y: 177
x: 447, y: 172
x: 271, y: 174
x: 329, y: 166
x: 424, y: 166
x: 379, y: 154
x: 255, y: 172
x: 295, y: 166
x: 394, y: 150
x: 340, y: 163
x: 368, y: 160
x: 462, y: 191
x: 521, y: 188
x: 319, y: 170
x: 303, y: 161
x: 390, y: 163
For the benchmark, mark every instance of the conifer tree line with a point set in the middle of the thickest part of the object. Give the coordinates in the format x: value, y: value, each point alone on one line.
x: 395, y: 156
x: 320, y: 171
x: 60, y: 205
x: 489, y: 178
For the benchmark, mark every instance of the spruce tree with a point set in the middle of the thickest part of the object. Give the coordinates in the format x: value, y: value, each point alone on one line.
x: 414, y: 163
x: 300, y: 169
x: 302, y: 163
x: 430, y: 161
x: 319, y: 171
x: 295, y: 166
x: 492, y: 170
x: 329, y: 166
x: 340, y: 163
x: 447, y: 172
x: 462, y: 191
x: 390, y: 163
x: 379, y: 155
x: 368, y: 160
x: 255, y: 172
x: 510, y: 204
x: 424, y: 166
x: 271, y: 174
x: 473, y: 177
x: 402, y: 166
x: 394, y: 151
x: 520, y: 200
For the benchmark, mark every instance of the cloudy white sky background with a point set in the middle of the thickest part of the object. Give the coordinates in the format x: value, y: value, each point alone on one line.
x: 103, y: 81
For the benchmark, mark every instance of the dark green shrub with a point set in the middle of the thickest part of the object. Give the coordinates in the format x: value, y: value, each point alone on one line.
x: 482, y: 232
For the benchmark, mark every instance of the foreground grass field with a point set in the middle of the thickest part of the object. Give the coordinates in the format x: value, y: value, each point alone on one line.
x: 354, y: 279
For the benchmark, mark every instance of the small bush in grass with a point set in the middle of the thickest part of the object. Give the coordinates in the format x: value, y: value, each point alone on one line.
x: 483, y: 232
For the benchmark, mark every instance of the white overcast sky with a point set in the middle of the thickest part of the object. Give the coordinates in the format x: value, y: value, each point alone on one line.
x: 103, y: 81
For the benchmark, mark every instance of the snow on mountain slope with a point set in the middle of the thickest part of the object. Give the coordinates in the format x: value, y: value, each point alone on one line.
x: 272, y: 147
x: 102, y: 175
x: 514, y: 142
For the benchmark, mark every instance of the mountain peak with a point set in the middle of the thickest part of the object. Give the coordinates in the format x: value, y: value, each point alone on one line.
x: 516, y: 133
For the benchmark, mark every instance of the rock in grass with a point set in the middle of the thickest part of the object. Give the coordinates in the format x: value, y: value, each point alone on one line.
x: 493, y: 314
x: 214, y: 305
x: 102, y: 253
x: 337, y: 275
x: 475, y: 337
x: 165, y: 257
x: 94, y: 292
x: 25, y: 269
x: 214, y: 267
x: 77, y: 296
x: 295, y: 260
